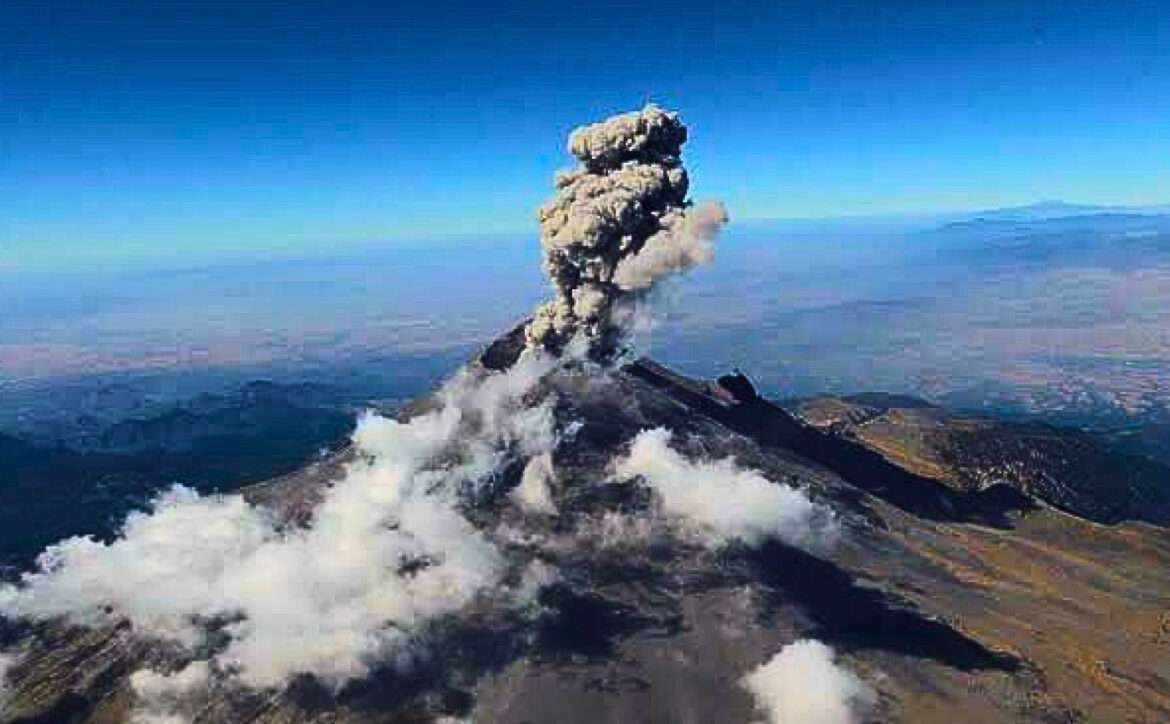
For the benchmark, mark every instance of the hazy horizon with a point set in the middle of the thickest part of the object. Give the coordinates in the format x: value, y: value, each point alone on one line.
x: 1046, y: 315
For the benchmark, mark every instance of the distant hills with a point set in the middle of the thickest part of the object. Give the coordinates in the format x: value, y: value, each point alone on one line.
x: 1052, y: 209
x: 1049, y: 220
x: 212, y: 442
x: 1065, y: 467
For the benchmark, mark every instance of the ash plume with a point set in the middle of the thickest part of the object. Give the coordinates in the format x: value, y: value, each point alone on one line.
x: 617, y: 224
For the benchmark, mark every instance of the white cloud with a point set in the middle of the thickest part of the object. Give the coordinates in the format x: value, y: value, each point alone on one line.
x: 533, y: 494
x: 719, y: 501
x: 803, y: 685
x: 161, y: 696
x: 329, y: 598
x: 613, y: 529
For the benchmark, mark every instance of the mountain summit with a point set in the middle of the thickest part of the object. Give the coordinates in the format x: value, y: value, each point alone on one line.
x: 563, y: 532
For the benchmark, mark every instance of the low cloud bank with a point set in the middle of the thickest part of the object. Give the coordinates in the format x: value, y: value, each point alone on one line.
x: 386, y: 551
x: 803, y: 685
x: 720, y: 502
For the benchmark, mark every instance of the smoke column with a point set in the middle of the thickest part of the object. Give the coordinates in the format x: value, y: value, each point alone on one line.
x: 617, y: 224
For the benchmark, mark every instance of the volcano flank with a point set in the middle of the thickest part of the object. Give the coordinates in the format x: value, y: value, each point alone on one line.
x: 566, y: 531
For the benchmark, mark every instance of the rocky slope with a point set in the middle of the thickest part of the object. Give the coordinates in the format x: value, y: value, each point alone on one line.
x: 1061, y: 466
x: 950, y: 598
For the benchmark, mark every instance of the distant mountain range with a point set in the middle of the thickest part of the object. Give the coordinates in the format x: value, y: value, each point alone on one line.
x: 1054, y: 230
x: 1050, y: 210
x: 211, y: 442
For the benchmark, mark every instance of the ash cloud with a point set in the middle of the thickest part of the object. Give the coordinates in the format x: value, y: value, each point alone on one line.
x: 617, y: 224
x: 804, y: 685
x: 686, y: 244
x: 719, y: 502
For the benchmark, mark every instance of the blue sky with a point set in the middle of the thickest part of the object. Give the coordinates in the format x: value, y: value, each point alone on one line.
x: 135, y: 131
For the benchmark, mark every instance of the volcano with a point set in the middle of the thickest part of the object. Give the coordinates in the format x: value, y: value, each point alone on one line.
x: 566, y: 532
x: 971, y: 604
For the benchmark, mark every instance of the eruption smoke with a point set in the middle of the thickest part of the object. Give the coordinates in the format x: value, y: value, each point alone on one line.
x: 617, y: 224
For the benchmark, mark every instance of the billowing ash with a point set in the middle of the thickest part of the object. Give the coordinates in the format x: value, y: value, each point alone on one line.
x: 617, y: 224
